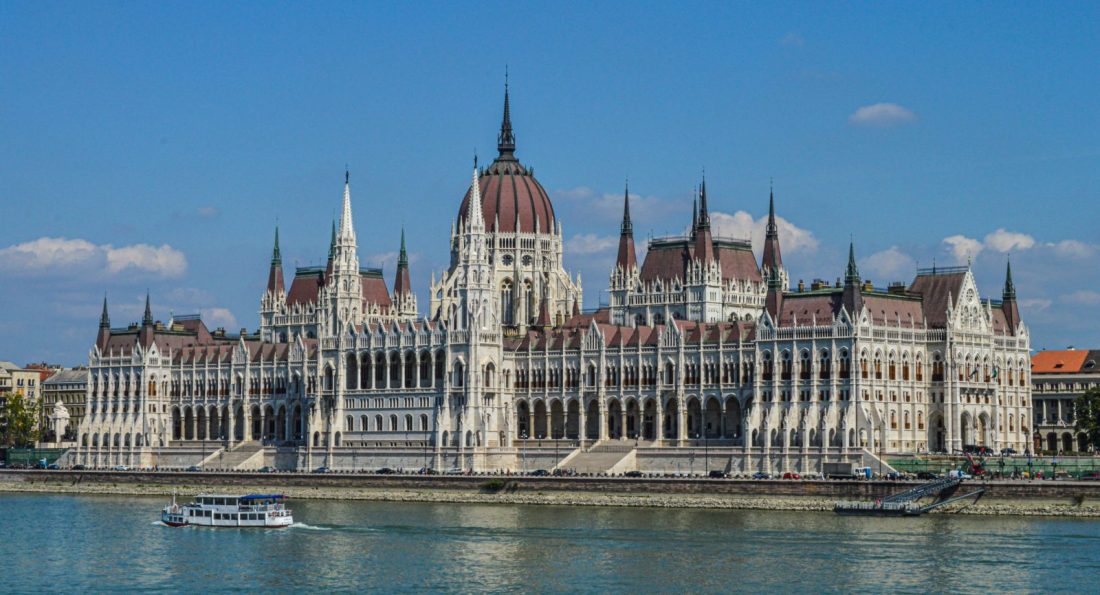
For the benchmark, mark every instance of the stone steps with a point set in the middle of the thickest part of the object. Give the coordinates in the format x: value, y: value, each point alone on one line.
x: 601, y: 458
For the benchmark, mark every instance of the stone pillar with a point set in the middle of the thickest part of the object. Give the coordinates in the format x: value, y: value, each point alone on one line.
x: 681, y: 421
x: 603, y: 420
x: 659, y: 420
x: 230, y: 430
x: 583, y: 423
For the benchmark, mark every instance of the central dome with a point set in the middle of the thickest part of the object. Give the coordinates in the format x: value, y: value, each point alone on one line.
x: 512, y: 200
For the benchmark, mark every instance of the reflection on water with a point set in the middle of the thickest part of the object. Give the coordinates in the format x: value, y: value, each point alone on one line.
x: 97, y: 543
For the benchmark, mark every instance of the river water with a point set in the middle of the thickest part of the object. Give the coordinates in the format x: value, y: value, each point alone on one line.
x: 110, y: 543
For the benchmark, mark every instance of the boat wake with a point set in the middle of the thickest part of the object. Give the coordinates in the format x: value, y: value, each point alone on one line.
x: 309, y: 527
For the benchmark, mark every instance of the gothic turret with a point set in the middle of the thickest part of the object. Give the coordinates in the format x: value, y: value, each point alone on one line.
x: 346, y: 285
x: 772, y: 256
x: 628, y: 259
x: 104, y: 327
x: 401, y: 284
x: 853, y: 294
x: 147, y: 319
x: 1011, y: 309
x: 275, y: 284
x: 506, y: 140
x: 704, y: 244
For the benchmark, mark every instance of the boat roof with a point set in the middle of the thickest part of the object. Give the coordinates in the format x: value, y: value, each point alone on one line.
x: 247, y: 497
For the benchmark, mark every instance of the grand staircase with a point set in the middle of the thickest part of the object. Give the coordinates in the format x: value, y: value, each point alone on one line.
x: 243, y: 457
x: 603, y: 457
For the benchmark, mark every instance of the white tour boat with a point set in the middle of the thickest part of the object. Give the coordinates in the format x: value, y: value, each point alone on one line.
x: 217, y: 510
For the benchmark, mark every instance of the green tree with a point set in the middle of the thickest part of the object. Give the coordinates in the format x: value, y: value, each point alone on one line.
x: 20, y: 421
x: 1086, y: 408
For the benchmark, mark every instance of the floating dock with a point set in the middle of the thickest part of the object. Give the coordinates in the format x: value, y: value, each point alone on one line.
x: 940, y: 492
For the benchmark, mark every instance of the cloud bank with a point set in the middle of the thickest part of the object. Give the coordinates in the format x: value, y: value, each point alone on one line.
x: 46, y: 256
x: 882, y: 115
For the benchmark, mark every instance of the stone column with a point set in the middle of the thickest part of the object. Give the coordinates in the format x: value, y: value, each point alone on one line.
x: 659, y: 420
x: 230, y: 430
x: 681, y: 421
x: 583, y: 422
x: 603, y: 420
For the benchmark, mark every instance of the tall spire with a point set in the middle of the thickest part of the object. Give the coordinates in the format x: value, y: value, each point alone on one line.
x: 772, y: 257
x: 627, y: 226
x: 1008, y: 305
x: 104, y: 318
x: 694, y: 211
x: 275, y: 273
x: 332, y: 242
x: 704, y: 214
x: 347, y: 229
x: 1010, y: 287
x: 627, y: 259
x: 401, y: 283
x: 506, y: 140
x: 851, y: 273
x: 276, y: 256
x: 148, y: 318
x: 474, y: 219
x: 852, y: 298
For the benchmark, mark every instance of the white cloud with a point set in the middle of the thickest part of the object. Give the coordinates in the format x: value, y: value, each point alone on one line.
x: 882, y: 115
x: 208, y: 212
x: 219, y: 317
x: 165, y: 261
x: 890, y: 264
x: 1073, y: 249
x: 46, y: 256
x: 1035, y: 304
x: 742, y: 225
x: 1084, y: 297
x: 590, y: 243
x: 645, y: 211
x: 963, y: 248
x: 1006, y: 241
x: 792, y: 40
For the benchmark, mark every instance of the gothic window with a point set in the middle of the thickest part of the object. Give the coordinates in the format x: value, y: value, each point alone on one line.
x: 507, y: 303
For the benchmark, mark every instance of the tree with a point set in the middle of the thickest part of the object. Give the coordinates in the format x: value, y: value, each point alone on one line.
x: 1087, y: 411
x: 20, y: 417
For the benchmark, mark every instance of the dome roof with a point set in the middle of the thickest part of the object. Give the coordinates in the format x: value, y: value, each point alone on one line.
x: 512, y: 200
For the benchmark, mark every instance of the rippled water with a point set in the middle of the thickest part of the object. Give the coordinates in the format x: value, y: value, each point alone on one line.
x: 100, y: 543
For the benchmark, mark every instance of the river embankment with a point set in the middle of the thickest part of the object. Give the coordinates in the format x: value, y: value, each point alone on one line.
x: 1035, y: 498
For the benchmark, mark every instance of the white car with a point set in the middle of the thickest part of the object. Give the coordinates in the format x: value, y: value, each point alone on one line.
x: 121, y: 468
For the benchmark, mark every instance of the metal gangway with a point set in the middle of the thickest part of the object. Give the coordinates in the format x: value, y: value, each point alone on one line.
x: 935, y: 487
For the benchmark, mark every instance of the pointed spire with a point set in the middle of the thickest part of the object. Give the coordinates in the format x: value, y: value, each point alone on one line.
x: 627, y: 259
x: 474, y: 219
x: 773, y: 229
x: 147, y: 319
x: 104, y: 318
x: 704, y: 214
x: 401, y: 283
x: 627, y: 227
x: 772, y: 257
x: 347, y: 228
x: 506, y: 140
x: 1010, y: 287
x: 851, y: 273
x: 332, y: 242
x: 694, y: 211
x: 276, y: 256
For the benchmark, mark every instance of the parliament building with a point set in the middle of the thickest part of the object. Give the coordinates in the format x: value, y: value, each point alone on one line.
x: 705, y: 358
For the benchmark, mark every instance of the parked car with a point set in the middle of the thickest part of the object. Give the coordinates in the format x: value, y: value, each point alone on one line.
x: 454, y: 471
x: 266, y: 469
x: 791, y: 475
x: 761, y: 475
x: 322, y: 470
x: 53, y: 466
x: 716, y: 474
x: 78, y: 467
x: 427, y: 471
x: 634, y: 473
x: 385, y: 471
x: 540, y: 473
x: 1008, y: 452
x: 194, y: 468
x: 927, y: 475
x: 121, y: 468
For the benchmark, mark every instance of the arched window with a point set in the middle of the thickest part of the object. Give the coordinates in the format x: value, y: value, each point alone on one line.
x: 507, y: 302
x: 408, y: 422
x: 393, y: 423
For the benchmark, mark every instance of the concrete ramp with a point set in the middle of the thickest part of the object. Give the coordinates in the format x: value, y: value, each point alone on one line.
x: 603, y: 457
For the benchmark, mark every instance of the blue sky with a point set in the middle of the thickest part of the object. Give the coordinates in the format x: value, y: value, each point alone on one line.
x: 156, y: 146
